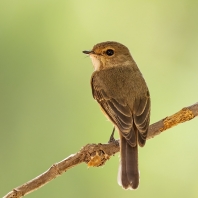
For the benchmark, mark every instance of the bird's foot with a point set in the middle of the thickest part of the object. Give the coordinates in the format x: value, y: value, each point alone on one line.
x: 112, y: 139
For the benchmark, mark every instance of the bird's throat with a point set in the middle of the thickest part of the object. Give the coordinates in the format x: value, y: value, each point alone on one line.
x: 96, y: 63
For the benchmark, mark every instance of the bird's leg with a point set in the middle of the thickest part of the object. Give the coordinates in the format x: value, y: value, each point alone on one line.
x: 112, y: 139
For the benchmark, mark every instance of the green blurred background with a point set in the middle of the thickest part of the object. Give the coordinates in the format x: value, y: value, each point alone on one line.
x: 46, y: 106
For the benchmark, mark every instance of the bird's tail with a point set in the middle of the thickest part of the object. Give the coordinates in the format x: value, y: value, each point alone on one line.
x: 128, y: 175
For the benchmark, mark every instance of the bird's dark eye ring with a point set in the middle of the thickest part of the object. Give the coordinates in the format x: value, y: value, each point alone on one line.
x: 109, y: 52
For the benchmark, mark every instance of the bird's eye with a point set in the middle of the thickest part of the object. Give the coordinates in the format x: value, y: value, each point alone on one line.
x: 109, y: 52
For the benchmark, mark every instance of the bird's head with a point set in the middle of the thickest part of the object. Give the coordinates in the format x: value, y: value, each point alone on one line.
x: 109, y: 54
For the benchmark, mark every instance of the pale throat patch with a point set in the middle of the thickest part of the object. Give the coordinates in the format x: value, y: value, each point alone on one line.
x: 95, y: 62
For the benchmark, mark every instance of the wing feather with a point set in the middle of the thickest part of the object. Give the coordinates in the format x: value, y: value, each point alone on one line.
x: 142, y: 117
x: 128, y: 121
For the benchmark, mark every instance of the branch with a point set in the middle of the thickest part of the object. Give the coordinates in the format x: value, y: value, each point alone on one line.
x: 97, y: 154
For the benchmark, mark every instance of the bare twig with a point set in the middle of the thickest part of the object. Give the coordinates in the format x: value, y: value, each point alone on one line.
x: 185, y: 114
x: 97, y: 154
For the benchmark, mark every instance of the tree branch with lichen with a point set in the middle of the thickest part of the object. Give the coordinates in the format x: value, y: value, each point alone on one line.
x: 97, y: 154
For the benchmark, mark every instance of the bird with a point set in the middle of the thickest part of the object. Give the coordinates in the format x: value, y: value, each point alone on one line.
x: 122, y: 93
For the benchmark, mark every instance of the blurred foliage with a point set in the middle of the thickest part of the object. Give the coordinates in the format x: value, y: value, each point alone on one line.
x: 46, y: 107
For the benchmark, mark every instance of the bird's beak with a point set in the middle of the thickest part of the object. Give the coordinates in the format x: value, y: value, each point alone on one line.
x: 88, y: 52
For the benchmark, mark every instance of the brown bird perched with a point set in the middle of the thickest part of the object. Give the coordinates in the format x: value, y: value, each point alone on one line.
x: 120, y: 89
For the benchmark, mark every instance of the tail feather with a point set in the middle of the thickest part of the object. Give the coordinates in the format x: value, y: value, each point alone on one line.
x: 122, y: 175
x: 128, y: 175
x: 132, y: 166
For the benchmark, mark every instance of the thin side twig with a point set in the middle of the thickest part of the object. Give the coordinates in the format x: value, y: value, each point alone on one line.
x: 97, y: 154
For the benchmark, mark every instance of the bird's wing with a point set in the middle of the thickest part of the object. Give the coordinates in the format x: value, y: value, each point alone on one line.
x: 117, y: 111
x: 141, y: 116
